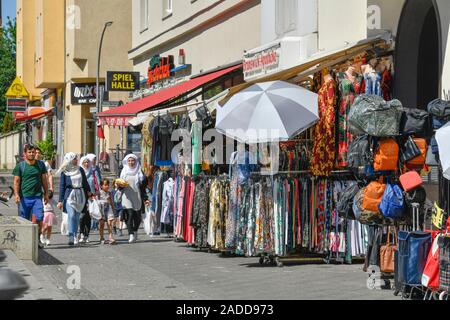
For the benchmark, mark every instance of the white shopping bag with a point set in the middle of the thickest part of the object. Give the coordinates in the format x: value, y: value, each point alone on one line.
x: 94, y: 209
x: 147, y: 224
x: 65, y: 224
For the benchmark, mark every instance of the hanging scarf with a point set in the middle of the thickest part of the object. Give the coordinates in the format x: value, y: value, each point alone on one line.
x: 136, y: 171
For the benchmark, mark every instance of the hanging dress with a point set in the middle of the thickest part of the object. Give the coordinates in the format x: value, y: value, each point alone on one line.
x: 324, y: 149
x: 348, y: 91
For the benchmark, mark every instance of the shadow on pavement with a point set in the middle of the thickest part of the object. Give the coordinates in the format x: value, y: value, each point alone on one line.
x: 46, y: 259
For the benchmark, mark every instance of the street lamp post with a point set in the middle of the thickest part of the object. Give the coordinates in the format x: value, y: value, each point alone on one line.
x: 99, y: 94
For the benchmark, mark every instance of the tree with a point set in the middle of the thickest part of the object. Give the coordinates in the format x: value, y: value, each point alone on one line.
x: 47, y: 147
x: 7, y: 124
x: 7, y: 65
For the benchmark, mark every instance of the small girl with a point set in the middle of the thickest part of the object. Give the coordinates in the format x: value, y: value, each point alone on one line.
x: 119, y: 210
x: 49, y: 222
x: 107, y: 210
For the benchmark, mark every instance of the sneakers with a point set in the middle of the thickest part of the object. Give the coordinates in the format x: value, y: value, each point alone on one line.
x: 86, y: 239
x: 131, y: 239
x: 81, y: 240
x: 75, y: 241
x: 71, y: 241
x: 42, y: 239
x: 102, y: 241
x: 135, y: 236
x: 47, y: 242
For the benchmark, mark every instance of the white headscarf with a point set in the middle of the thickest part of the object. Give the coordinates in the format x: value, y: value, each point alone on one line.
x: 91, y: 158
x: 67, y: 167
x: 87, y: 171
x: 136, y: 171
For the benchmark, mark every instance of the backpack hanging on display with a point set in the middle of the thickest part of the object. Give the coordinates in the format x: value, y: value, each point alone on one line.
x: 419, y: 161
x: 418, y: 195
x: 392, y: 204
x: 373, y: 195
x: 409, y: 150
x: 410, y: 181
x: 386, y: 156
x: 358, y: 154
x: 440, y: 112
x: 414, y: 121
x: 364, y: 216
x: 344, y: 206
x: 372, y: 115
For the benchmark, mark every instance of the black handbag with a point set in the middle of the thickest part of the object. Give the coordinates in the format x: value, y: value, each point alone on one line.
x: 413, y: 121
x: 409, y: 150
x: 345, y: 204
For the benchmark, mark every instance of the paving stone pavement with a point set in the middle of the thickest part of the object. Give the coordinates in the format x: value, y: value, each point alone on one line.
x: 161, y: 269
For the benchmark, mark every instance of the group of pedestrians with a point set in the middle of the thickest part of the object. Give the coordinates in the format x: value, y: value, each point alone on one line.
x: 80, y: 185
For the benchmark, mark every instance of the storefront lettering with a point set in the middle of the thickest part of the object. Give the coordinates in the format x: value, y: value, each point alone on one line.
x: 159, y: 69
x: 262, y: 62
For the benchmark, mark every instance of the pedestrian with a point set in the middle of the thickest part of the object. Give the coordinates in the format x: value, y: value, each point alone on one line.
x: 107, y: 211
x: 73, y: 193
x: 49, y: 222
x: 85, y: 218
x: 40, y: 157
x: 94, y: 178
x: 119, y: 210
x: 134, y: 196
x: 31, y: 186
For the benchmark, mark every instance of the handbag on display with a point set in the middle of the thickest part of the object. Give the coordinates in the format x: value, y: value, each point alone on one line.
x: 409, y: 150
x: 419, y: 161
x: 410, y: 181
x: 387, y: 254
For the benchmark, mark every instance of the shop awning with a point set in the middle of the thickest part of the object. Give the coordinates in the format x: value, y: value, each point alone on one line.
x: 35, y: 115
x: 315, y: 63
x: 121, y: 115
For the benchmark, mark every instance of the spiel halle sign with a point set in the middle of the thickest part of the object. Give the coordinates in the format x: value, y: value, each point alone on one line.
x: 122, y: 81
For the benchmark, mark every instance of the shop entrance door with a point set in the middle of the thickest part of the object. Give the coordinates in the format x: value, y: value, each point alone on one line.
x: 418, y: 57
x: 89, y: 136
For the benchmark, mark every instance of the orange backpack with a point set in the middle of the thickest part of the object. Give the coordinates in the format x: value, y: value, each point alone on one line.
x: 386, y: 157
x: 420, y: 160
x: 373, y: 195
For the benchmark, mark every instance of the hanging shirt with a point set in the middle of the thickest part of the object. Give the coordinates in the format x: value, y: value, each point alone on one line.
x: 168, y: 202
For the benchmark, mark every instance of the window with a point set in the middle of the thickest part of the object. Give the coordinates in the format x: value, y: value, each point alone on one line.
x: 167, y: 8
x: 144, y: 15
x: 286, y: 16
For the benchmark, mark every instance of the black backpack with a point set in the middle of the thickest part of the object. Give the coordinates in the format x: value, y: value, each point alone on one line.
x: 359, y: 154
x: 345, y: 204
x: 414, y: 121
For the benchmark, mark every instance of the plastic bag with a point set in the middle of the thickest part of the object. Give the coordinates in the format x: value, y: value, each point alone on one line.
x: 147, y: 224
x: 65, y: 224
x: 94, y: 209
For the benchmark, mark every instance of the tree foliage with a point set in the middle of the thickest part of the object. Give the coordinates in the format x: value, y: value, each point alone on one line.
x: 7, y: 67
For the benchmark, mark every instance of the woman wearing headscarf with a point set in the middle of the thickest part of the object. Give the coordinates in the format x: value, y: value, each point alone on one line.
x: 85, y: 219
x: 96, y: 169
x: 134, y: 196
x: 73, y: 193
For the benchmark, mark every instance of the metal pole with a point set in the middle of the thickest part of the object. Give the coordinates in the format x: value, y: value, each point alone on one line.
x: 98, y: 94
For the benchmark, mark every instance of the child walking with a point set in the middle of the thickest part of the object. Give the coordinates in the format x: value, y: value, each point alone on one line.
x: 107, y: 210
x: 119, y: 210
x: 49, y: 222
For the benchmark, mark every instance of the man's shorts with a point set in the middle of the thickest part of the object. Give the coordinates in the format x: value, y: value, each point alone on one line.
x: 32, y: 206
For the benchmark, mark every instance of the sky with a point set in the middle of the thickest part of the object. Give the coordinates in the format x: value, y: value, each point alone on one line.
x: 8, y: 9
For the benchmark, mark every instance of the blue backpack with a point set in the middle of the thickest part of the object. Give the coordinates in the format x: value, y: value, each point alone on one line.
x: 392, y: 204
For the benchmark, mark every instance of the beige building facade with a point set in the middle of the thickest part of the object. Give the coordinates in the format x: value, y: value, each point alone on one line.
x: 211, y: 33
x: 85, y: 21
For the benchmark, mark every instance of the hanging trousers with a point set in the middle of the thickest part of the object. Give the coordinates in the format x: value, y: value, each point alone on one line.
x: 134, y: 220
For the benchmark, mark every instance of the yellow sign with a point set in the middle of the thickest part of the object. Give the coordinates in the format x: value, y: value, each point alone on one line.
x: 17, y: 89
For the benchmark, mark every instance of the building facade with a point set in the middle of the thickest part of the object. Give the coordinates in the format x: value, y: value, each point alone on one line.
x: 207, y: 34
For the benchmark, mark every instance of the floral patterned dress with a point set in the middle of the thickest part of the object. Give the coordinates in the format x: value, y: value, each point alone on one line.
x: 348, y: 91
x: 324, y: 150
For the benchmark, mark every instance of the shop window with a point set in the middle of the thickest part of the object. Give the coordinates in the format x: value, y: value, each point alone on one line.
x: 213, y: 91
x: 144, y: 15
x: 134, y: 137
